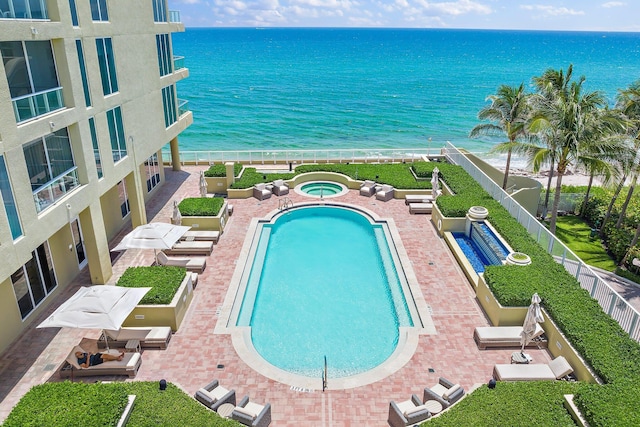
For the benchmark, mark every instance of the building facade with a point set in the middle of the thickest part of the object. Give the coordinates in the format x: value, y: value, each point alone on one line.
x: 88, y: 99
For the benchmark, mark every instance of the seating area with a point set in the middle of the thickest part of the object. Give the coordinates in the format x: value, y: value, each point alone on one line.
x: 368, y: 188
x: 384, y: 192
x: 149, y: 337
x: 184, y: 247
x: 201, y: 235
x: 506, y: 336
x: 252, y: 414
x: 196, y: 265
x: 128, y: 366
x: 445, y: 392
x: 261, y: 192
x: 213, y: 395
x: 223, y: 401
x: 280, y: 188
x: 557, y: 369
x: 435, y: 399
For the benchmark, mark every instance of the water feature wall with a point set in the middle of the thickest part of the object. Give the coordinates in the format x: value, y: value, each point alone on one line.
x: 487, y: 242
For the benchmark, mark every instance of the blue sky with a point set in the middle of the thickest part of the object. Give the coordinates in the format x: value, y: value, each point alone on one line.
x: 583, y: 15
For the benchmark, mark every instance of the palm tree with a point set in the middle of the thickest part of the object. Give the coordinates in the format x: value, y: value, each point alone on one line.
x: 508, y: 113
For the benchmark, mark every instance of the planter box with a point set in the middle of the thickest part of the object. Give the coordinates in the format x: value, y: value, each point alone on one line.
x: 164, y: 314
x: 216, y: 223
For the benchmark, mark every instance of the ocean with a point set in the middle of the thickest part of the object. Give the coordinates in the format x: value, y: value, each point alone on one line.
x: 285, y: 88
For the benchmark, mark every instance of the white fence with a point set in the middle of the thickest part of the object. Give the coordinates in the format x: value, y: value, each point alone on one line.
x: 611, y: 302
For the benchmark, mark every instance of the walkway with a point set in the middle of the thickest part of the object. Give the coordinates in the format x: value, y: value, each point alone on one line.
x: 194, y: 354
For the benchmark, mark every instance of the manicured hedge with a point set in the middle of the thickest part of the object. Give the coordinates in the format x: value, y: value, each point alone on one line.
x: 251, y: 177
x: 201, y: 206
x: 220, y: 170
x: 164, y: 282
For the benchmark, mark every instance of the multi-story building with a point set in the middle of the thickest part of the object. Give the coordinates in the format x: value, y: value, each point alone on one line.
x: 87, y: 101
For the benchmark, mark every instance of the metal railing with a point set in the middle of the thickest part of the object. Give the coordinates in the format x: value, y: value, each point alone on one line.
x: 178, y: 63
x: 611, y: 302
x: 183, y: 107
x: 57, y: 188
x: 174, y: 16
x: 298, y: 157
x: 37, y: 104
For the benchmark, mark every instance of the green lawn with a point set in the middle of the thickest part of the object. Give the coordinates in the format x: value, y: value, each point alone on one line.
x: 576, y: 234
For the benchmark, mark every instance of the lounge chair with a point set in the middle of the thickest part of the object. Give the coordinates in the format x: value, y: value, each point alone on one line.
x: 280, y: 188
x: 192, y: 264
x: 417, y: 198
x: 261, y: 192
x: 385, y: 193
x: 252, y: 414
x: 557, y: 369
x: 213, y: 395
x: 420, y: 208
x: 201, y: 235
x: 149, y: 337
x: 129, y: 366
x: 506, y: 336
x: 183, y: 247
x: 407, y: 413
x: 368, y: 188
x: 445, y: 392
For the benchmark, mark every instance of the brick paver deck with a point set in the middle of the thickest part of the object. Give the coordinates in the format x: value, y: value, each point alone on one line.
x: 194, y: 353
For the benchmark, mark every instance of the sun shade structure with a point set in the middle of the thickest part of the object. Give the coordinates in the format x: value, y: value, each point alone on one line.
x: 96, y: 307
x: 155, y: 235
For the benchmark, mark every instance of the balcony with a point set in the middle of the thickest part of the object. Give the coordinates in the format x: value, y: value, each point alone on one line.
x: 183, y: 107
x: 178, y: 63
x: 174, y: 16
x: 20, y: 9
x: 54, y: 190
x: 37, y: 104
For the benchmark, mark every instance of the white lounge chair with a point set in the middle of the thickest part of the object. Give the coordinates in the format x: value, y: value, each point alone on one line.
x: 420, y: 208
x: 192, y: 264
x: 261, y: 192
x: 417, y: 198
x: 201, y: 235
x: 129, y: 366
x: 385, y: 193
x: 280, y: 188
x: 190, y: 248
x: 506, y: 336
x: 557, y: 369
x: 368, y: 188
x: 149, y: 337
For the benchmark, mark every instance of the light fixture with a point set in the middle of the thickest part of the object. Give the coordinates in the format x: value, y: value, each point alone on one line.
x: 52, y: 125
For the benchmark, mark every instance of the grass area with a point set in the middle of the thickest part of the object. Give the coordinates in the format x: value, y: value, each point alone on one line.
x: 576, y: 234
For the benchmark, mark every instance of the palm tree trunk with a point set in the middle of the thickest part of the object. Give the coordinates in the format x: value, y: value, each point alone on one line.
x: 611, y: 203
x: 546, y: 197
x: 586, y: 196
x: 506, y: 171
x: 634, y: 241
x: 556, y: 203
x: 623, y: 210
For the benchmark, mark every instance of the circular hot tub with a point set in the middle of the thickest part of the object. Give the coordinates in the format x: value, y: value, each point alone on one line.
x: 321, y: 189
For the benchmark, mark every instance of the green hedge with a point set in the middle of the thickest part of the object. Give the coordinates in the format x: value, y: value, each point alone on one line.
x: 101, y: 404
x: 251, y: 177
x: 163, y: 280
x: 220, y: 170
x: 201, y: 206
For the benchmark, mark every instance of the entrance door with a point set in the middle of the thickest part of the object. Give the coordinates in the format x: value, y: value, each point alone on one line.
x: 76, y: 232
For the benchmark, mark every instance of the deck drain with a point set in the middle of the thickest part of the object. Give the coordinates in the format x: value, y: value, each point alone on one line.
x: 220, y: 366
x: 302, y: 389
x: 431, y: 370
x: 430, y: 262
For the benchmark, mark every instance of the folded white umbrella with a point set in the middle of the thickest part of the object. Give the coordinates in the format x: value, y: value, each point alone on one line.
x: 531, y: 320
x: 203, y: 185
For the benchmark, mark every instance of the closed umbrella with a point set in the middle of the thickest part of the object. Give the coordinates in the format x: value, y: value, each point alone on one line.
x: 176, y: 217
x: 96, y: 307
x: 203, y: 185
x: 155, y: 235
x: 531, y: 320
x: 435, y: 183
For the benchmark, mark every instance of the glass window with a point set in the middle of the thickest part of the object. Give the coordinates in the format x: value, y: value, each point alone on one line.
x: 96, y: 150
x: 83, y: 74
x: 164, y: 54
x: 74, y: 12
x: 29, y: 67
x: 9, y: 202
x: 152, y: 171
x: 159, y: 11
x: 48, y: 158
x: 107, y: 65
x: 99, y: 10
x: 169, y: 104
x: 35, y: 280
x: 116, y: 133
x: 124, y: 199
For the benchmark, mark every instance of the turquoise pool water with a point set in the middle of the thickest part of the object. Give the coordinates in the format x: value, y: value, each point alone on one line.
x: 324, y: 283
x: 321, y: 188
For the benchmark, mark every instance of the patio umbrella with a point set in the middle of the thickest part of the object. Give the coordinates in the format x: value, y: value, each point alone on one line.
x: 176, y: 217
x: 203, y: 185
x: 531, y: 320
x: 155, y: 235
x: 435, y: 183
x: 96, y: 307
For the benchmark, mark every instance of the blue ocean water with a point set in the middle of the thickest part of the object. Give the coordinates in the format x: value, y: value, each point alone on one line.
x: 283, y: 88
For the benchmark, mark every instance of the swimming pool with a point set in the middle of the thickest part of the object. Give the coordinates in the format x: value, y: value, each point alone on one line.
x: 324, y: 281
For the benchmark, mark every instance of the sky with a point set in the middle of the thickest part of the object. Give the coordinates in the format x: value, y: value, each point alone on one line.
x: 577, y: 15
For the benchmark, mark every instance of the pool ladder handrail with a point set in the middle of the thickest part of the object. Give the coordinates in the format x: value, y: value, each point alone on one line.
x: 324, y: 375
x: 284, y: 203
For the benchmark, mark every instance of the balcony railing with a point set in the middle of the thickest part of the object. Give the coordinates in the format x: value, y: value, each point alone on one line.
x: 37, y: 104
x: 20, y: 9
x: 178, y: 63
x: 55, y: 189
x: 174, y: 16
x: 183, y: 107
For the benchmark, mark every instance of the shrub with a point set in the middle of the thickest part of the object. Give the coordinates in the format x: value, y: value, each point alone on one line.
x: 201, y: 206
x: 220, y: 170
x: 163, y: 280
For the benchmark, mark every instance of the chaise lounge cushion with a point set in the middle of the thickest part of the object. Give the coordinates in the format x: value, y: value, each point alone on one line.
x: 415, y: 208
x: 502, y: 336
x: 192, y: 264
x: 156, y: 336
x: 555, y: 370
x: 129, y: 365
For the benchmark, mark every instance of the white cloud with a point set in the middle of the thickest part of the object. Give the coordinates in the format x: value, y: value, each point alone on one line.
x: 455, y: 8
x: 552, y: 10
x: 188, y: 1
x: 613, y: 4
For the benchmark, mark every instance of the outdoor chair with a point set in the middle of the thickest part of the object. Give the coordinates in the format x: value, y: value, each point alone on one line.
x: 557, y: 369
x: 201, y: 235
x: 129, y: 366
x: 252, y: 414
x: 368, y: 188
x: 149, y: 337
x: 407, y: 413
x: 506, y: 336
x: 261, y: 192
x: 385, y: 193
x: 420, y: 208
x: 192, y: 264
x: 193, y: 247
x: 418, y: 198
x: 445, y: 392
x: 280, y: 188
x: 213, y: 395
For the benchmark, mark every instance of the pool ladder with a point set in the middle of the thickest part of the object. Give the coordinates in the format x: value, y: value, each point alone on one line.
x: 284, y: 203
x: 324, y: 375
